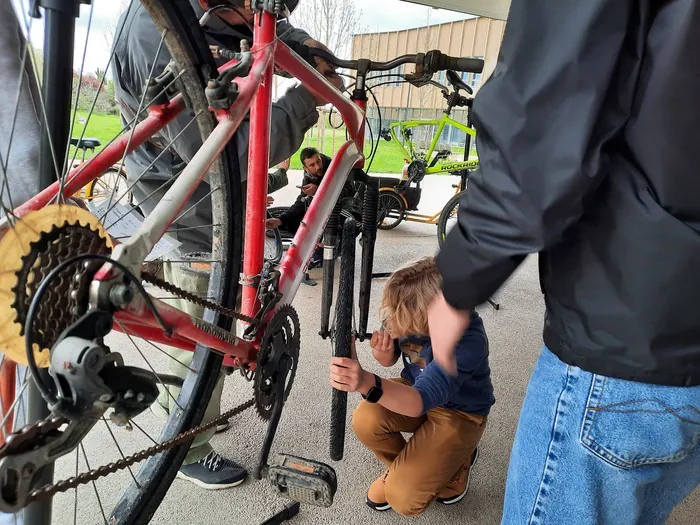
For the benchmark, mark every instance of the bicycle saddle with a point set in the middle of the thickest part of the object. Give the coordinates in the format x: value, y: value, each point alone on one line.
x: 457, y: 83
x: 85, y: 143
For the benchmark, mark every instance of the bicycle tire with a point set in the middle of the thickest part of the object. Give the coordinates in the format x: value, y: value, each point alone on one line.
x: 390, y: 201
x: 90, y: 188
x: 273, y: 244
x: 187, y: 46
x: 342, y: 336
x: 445, y: 215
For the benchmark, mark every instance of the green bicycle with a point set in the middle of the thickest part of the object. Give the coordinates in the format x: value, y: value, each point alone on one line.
x: 399, y: 198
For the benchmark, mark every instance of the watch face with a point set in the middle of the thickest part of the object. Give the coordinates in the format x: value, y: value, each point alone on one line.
x: 374, y: 394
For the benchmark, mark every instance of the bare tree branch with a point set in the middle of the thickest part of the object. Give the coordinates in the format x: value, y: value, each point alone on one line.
x: 331, y: 22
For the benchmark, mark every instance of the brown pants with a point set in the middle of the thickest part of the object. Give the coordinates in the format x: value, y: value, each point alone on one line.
x: 439, y: 451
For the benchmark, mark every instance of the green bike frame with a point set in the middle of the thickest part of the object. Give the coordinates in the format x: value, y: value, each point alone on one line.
x: 398, y: 128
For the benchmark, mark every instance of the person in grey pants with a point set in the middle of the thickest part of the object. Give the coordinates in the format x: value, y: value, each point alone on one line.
x: 292, y: 115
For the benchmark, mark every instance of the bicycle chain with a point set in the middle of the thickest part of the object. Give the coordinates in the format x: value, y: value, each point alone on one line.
x: 48, y: 491
x: 189, y: 296
x: 26, y: 438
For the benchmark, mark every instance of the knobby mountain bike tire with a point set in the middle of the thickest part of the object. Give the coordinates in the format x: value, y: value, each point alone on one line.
x: 342, y: 335
x: 188, y: 47
x: 448, y: 212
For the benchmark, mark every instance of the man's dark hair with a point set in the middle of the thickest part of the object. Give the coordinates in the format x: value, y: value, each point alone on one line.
x: 307, y: 153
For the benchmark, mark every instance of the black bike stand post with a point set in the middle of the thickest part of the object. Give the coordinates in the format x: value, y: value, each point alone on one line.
x: 57, y: 86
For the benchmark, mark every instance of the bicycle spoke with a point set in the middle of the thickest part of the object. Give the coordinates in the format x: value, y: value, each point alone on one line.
x: 143, y: 98
x: 167, y: 354
x: 121, y: 453
x: 133, y: 121
x: 97, y: 94
x: 75, y: 501
x: 18, y: 400
x: 136, y: 206
x: 94, y: 485
x: 147, y: 169
x: 211, y: 192
x: 134, y: 423
x: 121, y: 327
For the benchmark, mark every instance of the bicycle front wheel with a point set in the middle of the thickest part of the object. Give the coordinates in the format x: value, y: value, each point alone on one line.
x: 448, y: 217
x: 341, y: 336
x: 132, y: 496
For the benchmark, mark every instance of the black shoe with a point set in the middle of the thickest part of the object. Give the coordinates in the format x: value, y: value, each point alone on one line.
x: 213, y: 472
x: 308, y: 281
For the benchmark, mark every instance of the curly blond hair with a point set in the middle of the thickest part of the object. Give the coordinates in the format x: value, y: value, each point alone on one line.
x: 407, y: 295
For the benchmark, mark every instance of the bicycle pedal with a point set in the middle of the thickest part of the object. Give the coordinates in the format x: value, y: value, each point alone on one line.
x: 303, y: 480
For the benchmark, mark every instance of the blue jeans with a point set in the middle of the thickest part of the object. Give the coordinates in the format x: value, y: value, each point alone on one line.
x: 597, y: 450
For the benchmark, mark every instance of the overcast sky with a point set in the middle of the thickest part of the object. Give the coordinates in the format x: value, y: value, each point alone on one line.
x: 377, y: 15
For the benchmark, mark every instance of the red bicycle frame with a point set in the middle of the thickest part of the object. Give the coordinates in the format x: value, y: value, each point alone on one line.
x: 255, y: 95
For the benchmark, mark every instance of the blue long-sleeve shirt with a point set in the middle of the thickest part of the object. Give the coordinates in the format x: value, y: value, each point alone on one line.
x: 470, y: 391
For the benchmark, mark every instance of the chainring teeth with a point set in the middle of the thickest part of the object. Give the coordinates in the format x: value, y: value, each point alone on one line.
x: 285, y: 320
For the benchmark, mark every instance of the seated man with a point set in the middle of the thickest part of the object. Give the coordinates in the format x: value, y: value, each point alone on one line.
x: 315, y: 166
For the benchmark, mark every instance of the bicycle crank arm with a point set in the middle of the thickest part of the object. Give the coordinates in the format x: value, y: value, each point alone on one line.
x: 261, y: 468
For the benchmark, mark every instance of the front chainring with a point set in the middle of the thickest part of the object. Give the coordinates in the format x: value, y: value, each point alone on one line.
x: 282, y: 336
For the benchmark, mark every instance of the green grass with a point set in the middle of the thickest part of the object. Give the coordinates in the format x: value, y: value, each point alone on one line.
x: 102, y: 127
x: 389, y: 157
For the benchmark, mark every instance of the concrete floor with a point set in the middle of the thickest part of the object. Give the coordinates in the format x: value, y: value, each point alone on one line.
x: 515, y: 340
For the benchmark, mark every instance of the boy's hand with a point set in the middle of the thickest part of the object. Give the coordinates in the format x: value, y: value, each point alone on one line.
x: 381, y: 342
x: 284, y: 165
x: 446, y: 325
x: 347, y: 375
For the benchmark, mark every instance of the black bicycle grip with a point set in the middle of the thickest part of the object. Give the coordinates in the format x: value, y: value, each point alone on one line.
x: 468, y: 65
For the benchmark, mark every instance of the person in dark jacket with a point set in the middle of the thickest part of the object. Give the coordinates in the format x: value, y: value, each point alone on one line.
x: 588, y: 147
x: 315, y: 166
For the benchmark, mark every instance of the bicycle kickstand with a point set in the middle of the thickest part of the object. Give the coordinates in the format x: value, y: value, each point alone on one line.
x: 290, y: 510
x: 496, y: 306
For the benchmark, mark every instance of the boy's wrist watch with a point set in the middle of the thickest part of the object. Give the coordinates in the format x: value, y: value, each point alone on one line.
x: 374, y: 394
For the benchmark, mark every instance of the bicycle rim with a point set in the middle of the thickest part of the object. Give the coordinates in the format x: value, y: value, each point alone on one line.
x: 133, y: 495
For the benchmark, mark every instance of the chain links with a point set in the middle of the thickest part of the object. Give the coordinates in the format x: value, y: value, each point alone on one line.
x: 49, y: 491
x: 193, y: 298
x: 23, y: 437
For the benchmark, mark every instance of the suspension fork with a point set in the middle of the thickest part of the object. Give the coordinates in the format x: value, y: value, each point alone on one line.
x: 369, y: 237
x: 330, y: 239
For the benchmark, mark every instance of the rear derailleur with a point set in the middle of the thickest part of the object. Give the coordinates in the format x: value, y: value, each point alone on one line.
x: 85, y: 380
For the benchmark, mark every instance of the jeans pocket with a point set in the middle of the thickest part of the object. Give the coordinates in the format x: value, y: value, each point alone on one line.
x: 630, y: 424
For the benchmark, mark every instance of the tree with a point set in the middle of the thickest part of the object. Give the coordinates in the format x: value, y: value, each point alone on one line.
x: 331, y: 22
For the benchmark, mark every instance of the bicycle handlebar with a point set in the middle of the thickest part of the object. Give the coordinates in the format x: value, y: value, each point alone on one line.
x: 432, y: 61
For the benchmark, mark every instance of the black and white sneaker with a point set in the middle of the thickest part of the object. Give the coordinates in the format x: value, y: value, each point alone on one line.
x: 459, y: 496
x: 213, y: 472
